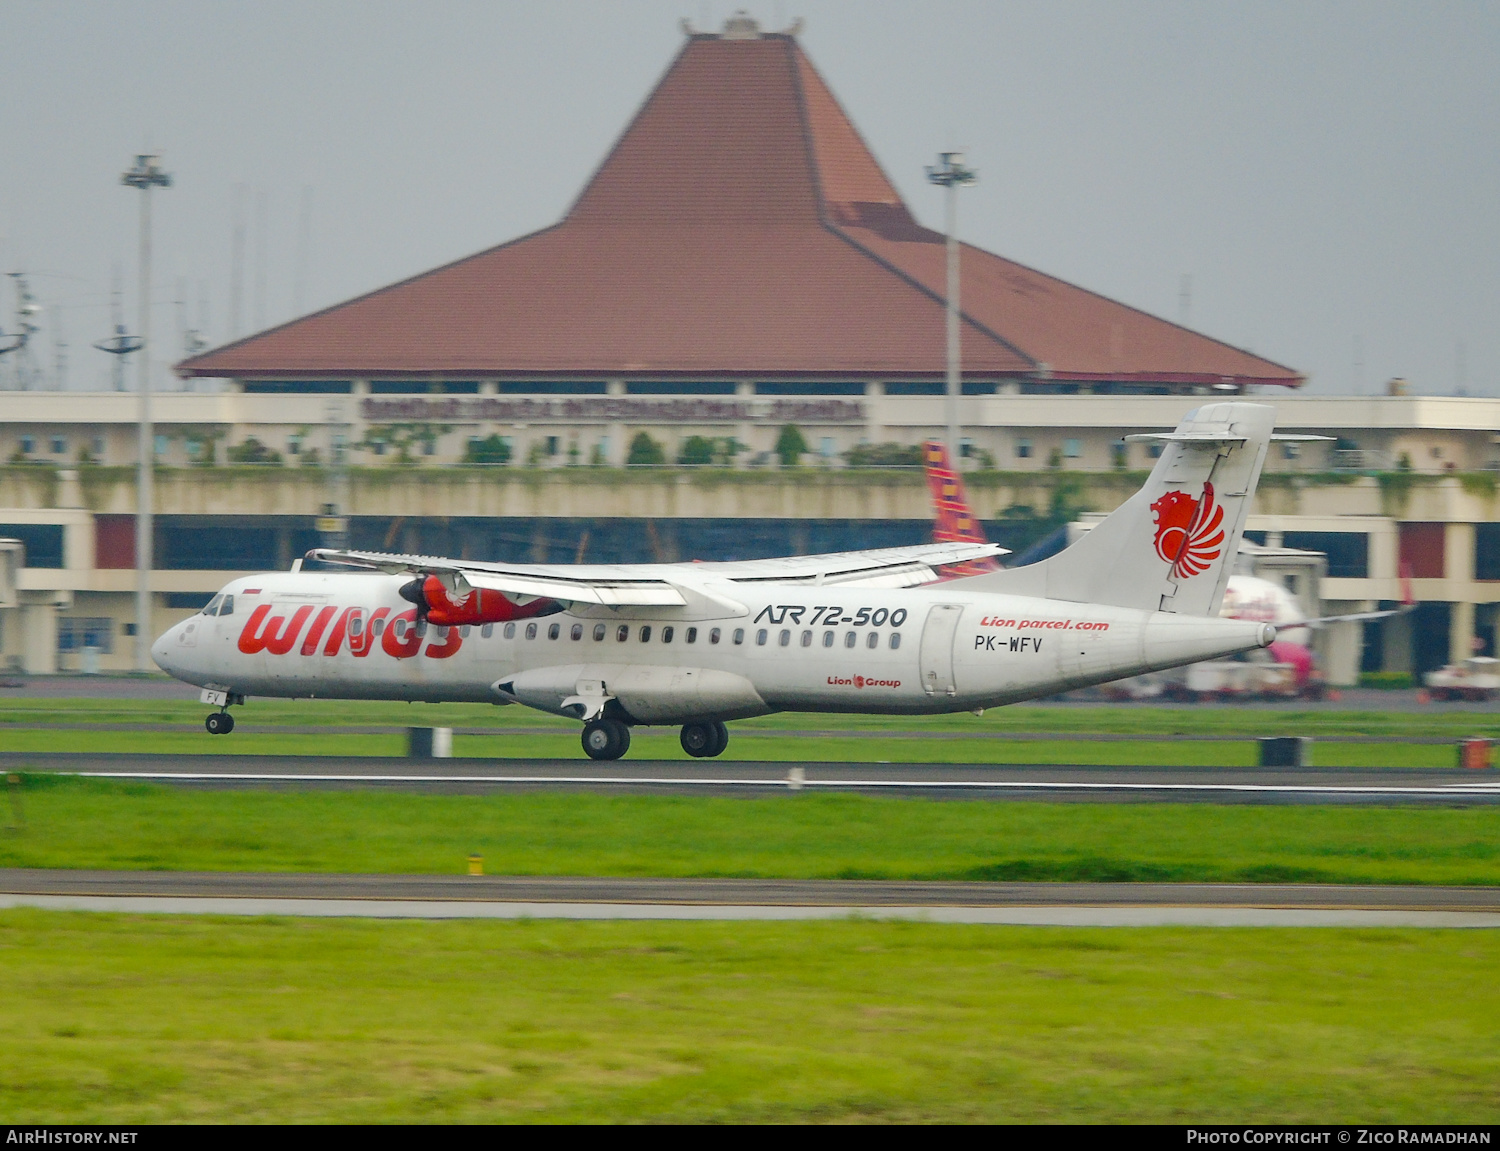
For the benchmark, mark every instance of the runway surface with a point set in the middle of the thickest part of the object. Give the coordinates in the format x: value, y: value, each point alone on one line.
x: 1012, y: 782
x: 565, y: 897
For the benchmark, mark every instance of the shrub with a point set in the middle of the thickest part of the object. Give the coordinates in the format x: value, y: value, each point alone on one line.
x: 791, y: 446
x: 644, y: 451
x: 490, y: 450
x: 695, y: 451
x: 884, y: 456
x: 1386, y: 680
x: 252, y: 451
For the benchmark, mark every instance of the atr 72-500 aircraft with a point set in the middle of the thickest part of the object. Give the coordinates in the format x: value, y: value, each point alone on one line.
x: 696, y: 644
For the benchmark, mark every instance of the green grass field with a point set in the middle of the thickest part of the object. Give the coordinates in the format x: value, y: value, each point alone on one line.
x: 999, y: 736
x: 87, y: 823
x: 141, y: 1019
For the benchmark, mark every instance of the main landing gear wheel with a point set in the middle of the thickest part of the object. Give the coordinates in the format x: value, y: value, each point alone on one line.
x: 220, y: 723
x: 605, y: 739
x: 704, y: 740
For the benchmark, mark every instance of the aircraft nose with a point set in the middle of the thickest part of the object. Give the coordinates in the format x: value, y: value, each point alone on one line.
x: 162, y: 650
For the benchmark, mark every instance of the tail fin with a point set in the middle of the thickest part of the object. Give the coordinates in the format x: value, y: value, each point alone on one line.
x: 1170, y: 547
x: 952, y: 522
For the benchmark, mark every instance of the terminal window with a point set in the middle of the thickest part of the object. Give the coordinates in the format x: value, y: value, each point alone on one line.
x: 680, y: 388
x: 43, y: 543
x: 59, y: 445
x: 1072, y: 449
x: 74, y: 633
x: 290, y: 387
x: 1487, y: 551
x: 1024, y: 449
x: 823, y: 389
x: 1348, y: 552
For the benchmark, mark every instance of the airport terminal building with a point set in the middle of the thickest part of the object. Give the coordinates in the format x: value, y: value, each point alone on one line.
x: 738, y: 265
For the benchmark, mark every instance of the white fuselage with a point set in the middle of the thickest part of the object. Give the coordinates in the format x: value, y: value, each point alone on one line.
x: 736, y: 649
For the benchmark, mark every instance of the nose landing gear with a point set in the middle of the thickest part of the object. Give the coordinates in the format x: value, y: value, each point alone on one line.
x: 221, y: 722
x: 605, y: 739
x: 704, y: 740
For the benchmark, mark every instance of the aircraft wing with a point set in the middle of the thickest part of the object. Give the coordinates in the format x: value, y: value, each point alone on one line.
x: 851, y: 567
x: 597, y: 584
x: 1354, y: 617
x: 652, y: 585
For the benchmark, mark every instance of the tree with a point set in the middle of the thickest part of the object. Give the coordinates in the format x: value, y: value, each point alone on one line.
x: 695, y: 451
x: 644, y: 451
x: 252, y: 451
x: 492, y: 449
x: 884, y: 456
x: 405, y: 437
x: 791, y: 446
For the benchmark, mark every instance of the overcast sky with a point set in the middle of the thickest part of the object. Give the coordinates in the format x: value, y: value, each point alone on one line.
x: 1326, y: 173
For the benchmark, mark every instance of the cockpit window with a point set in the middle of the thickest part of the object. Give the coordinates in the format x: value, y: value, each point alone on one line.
x: 212, y: 607
x: 227, y: 607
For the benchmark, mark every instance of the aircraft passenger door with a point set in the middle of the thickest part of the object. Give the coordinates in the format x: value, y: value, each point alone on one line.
x: 937, y: 649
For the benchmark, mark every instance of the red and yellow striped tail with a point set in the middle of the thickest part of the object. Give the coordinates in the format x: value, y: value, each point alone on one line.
x: 953, y: 522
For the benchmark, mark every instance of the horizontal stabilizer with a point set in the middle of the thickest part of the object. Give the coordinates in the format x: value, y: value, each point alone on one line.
x: 1206, y: 439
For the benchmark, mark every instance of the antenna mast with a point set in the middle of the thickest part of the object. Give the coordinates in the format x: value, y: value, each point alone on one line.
x: 27, y: 373
x: 121, y: 344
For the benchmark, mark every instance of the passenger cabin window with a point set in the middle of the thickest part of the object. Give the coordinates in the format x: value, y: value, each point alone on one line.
x: 488, y: 630
x: 739, y: 635
x: 850, y: 638
x: 872, y: 641
x: 378, y: 626
x: 599, y: 630
x: 760, y: 637
x: 895, y: 640
x: 807, y: 639
x: 646, y: 634
x: 692, y: 635
x: 531, y: 631
x: 510, y: 631
x: 554, y: 631
x: 463, y: 632
x: 713, y: 635
x: 828, y: 639
x: 624, y: 633
x: 786, y: 637
x: 666, y: 635
x: 577, y: 632
x: 356, y: 624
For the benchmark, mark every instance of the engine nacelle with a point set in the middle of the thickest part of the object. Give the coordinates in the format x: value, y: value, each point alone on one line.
x: 481, y: 606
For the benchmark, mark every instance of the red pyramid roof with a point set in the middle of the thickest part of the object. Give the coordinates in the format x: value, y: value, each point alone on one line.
x: 738, y: 227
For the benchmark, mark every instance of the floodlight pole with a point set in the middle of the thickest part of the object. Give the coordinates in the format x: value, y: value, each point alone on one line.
x: 951, y: 174
x: 144, y: 176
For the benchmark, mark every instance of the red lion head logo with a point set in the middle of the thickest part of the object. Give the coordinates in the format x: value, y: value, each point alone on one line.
x: 1189, y: 532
